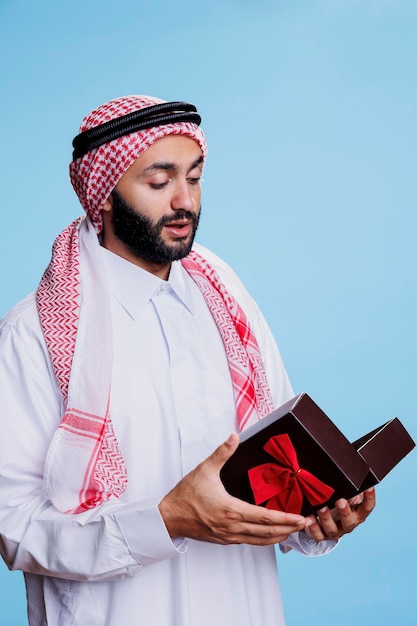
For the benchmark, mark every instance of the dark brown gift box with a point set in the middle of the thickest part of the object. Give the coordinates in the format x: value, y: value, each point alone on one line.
x: 321, y: 448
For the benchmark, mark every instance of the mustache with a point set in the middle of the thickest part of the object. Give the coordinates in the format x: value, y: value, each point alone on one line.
x: 180, y: 214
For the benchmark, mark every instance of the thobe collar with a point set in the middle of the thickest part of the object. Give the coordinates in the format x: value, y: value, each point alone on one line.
x: 133, y: 286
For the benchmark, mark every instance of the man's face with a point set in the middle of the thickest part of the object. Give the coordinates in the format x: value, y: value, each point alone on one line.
x: 152, y: 216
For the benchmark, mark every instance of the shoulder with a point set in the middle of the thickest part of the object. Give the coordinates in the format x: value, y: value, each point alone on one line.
x: 210, y: 256
x: 235, y: 287
x: 226, y: 273
x: 277, y: 376
x: 23, y: 351
x: 22, y: 318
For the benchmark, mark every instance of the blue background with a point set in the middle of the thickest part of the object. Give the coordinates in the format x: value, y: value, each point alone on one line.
x: 310, y: 113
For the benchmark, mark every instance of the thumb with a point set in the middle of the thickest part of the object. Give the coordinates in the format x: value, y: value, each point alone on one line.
x: 224, y: 451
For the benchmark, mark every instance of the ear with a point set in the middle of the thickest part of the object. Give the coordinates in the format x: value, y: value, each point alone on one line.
x: 108, y: 205
x: 106, y: 214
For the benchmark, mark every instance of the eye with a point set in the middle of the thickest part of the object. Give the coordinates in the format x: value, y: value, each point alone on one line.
x: 160, y: 185
x: 194, y: 181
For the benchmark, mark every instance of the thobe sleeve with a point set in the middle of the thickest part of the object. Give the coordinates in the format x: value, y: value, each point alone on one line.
x: 111, y: 541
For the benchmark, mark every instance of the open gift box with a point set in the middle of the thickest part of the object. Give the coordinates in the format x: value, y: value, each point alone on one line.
x: 297, y: 460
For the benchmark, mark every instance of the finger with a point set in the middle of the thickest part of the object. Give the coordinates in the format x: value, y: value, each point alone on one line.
x: 256, y: 534
x: 369, y: 500
x: 356, y: 500
x: 311, y: 521
x: 367, y: 506
x: 251, y: 513
x: 221, y: 454
x: 347, y: 518
x: 313, y: 529
x: 328, y: 523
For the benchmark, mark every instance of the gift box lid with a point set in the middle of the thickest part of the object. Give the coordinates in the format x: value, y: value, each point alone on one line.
x: 384, y: 447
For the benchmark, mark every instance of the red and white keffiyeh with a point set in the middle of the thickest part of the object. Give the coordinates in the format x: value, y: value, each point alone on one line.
x: 95, y: 174
x: 84, y: 465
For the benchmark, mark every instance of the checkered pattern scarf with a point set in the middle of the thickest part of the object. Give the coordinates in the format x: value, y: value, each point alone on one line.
x: 84, y: 465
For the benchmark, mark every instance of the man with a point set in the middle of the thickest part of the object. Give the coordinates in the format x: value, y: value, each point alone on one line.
x: 137, y: 357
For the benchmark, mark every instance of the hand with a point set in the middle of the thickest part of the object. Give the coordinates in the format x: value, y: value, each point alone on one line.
x: 344, y: 518
x: 200, y: 508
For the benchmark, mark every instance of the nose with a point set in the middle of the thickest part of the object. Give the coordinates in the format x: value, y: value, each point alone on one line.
x: 184, y: 196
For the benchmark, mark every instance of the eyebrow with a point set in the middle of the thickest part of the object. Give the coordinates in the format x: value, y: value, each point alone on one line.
x: 172, y: 167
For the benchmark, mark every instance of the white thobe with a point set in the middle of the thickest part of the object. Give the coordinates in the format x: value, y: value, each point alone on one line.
x: 171, y: 404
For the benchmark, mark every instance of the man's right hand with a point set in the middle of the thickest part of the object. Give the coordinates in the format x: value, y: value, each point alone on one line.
x: 200, y: 508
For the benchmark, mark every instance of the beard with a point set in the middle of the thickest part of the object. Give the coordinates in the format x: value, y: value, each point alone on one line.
x: 143, y: 236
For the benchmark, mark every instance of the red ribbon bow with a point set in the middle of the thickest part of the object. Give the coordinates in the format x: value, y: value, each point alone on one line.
x: 284, y: 486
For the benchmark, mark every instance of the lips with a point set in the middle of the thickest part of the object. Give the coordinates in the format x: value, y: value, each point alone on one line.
x: 179, y: 229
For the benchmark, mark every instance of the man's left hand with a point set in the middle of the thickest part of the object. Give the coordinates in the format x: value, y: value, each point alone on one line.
x: 344, y: 518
